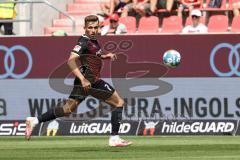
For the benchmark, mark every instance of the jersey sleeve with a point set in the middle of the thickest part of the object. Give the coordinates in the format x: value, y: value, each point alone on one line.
x: 80, y: 47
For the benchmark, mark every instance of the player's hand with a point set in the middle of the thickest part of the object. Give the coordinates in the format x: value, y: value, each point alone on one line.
x: 86, y: 85
x: 112, y: 56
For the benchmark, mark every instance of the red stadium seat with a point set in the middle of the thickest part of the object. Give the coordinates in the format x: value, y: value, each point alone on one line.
x: 218, y: 23
x: 74, y: 7
x: 189, y: 20
x: 236, y: 24
x: 172, y: 24
x: 66, y: 22
x: 130, y: 23
x: 148, y: 24
x: 76, y: 14
x: 68, y: 30
x: 89, y: 1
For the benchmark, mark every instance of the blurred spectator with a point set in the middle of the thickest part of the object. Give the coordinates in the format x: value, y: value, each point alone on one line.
x: 236, y: 8
x: 163, y: 4
x: 7, y: 12
x: 196, y: 26
x: 113, y: 6
x: 215, y: 4
x: 188, y: 4
x: 138, y: 6
x: 114, y: 27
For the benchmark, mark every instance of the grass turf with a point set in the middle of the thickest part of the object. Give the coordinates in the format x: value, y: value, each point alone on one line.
x: 143, y: 148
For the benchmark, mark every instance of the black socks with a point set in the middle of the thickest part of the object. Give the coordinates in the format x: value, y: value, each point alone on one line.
x: 48, y: 116
x: 116, y: 119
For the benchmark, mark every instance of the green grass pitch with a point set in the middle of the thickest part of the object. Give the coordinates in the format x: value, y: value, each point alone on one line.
x: 143, y: 148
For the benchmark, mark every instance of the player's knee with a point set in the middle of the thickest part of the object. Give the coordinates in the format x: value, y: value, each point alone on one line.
x: 65, y: 110
x: 120, y: 102
x: 70, y: 106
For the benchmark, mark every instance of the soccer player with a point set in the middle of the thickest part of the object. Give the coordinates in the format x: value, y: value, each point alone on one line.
x: 87, y: 82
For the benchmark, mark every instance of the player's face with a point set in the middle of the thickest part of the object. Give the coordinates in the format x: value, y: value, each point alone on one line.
x: 91, y: 29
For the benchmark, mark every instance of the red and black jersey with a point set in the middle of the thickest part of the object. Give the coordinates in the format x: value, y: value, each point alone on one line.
x: 89, y: 52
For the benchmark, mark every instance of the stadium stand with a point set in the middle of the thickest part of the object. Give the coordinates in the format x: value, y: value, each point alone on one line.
x: 130, y: 22
x: 75, y: 7
x: 223, y: 7
x: 172, y: 24
x: 148, y: 25
x: 78, y: 9
x: 49, y: 30
x: 218, y: 23
x: 189, y: 20
x: 236, y: 24
x: 66, y: 23
x: 230, y: 2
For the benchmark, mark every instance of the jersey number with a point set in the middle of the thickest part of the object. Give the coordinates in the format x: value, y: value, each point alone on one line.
x: 107, y: 86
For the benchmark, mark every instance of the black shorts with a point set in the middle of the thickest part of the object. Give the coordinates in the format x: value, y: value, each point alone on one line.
x: 100, y: 90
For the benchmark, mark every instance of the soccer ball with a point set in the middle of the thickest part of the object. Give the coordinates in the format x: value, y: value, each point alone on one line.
x: 171, y: 58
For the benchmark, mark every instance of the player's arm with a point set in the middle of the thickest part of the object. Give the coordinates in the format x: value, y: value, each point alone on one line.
x: 111, y: 56
x: 72, y: 63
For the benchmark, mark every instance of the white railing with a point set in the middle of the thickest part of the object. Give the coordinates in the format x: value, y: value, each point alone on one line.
x: 30, y: 19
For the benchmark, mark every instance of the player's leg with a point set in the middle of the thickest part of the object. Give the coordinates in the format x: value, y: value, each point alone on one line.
x: 54, y: 132
x: 236, y: 7
x: 169, y: 5
x: 145, y: 131
x: 49, y: 132
x: 8, y: 28
x: 104, y: 91
x: 105, y: 6
x: 69, y: 106
x: 152, y: 130
x: 59, y: 111
x: 116, y: 101
x: 153, y: 5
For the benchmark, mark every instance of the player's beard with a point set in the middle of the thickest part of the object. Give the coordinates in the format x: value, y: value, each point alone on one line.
x: 93, y: 36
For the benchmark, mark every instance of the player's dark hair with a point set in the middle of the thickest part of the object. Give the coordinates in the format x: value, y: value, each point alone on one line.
x: 91, y: 18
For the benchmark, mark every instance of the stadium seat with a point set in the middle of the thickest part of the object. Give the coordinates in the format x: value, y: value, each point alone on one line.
x: 74, y: 7
x: 89, y: 1
x: 236, y: 24
x: 218, y: 23
x: 148, y: 24
x: 68, y: 30
x: 75, y: 14
x: 189, y: 20
x: 78, y: 9
x: 66, y: 22
x: 130, y: 23
x: 172, y: 24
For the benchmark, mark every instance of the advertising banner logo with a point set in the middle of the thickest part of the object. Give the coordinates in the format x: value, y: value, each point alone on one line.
x: 9, y: 62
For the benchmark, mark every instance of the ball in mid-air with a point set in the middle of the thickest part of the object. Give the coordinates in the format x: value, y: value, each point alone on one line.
x: 172, y: 58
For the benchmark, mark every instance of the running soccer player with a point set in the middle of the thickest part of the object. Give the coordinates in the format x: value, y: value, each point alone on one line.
x: 87, y: 82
